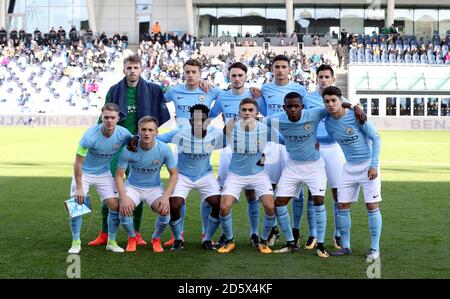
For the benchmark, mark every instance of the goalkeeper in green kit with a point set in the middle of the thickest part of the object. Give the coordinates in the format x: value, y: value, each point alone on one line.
x: 136, y: 98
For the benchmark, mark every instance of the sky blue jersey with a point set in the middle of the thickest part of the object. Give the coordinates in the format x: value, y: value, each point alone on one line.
x: 273, y: 96
x: 99, y: 150
x: 184, y: 99
x: 314, y: 100
x: 146, y: 164
x: 248, y: 147
x: 299, y: 137
x: 358, y: 142
x: 228, y: 104
x: 194, y: 154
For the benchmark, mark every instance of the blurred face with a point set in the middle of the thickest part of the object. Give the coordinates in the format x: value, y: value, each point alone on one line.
x: 248, y: 111
x: 293, y: 108
x: 199, y: 122
x: 192, y: 75
x: 333, y: 104
x: 147, y: 132
x: 281, y: 70
x: 110, y: 119
x: 325, y: 79
x: 237, y: 78
x: 132, y: 72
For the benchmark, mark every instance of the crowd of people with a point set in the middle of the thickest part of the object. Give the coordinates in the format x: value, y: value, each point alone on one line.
x: 393, y: 47
x: 87, y: 65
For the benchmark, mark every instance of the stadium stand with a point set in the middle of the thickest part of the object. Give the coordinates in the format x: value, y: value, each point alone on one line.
x: 72, y: 75
x: 398, y: 49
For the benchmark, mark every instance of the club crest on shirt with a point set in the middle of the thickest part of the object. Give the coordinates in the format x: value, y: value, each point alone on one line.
x: 307, y: 126
x: 116, y: 146
x: 349, y: 131
x: 202, y: 98
x: 208, y: 146
x: 156, y: 162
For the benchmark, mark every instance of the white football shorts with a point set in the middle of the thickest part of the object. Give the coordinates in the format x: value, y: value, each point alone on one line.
x: 103, y: 183
x: 295, y: 174
x: 259, y: 182
x: 354, y: 175
x: 207, y: 186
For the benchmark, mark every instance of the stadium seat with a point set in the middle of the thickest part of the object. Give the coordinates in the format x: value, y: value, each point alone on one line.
x: 408, y: 58
x: 384, y: 58
x: 392, y: 58
x: 361, y: 58
x: 423, y: 59
x: 369, y: 58
x: 431, y: 59
x: 439, y: 61
x: 376, y: 58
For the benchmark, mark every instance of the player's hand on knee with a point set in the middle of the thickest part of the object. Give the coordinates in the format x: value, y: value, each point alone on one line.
x: 163, y: 206
x: 372, y: 173
x: 126, y: 206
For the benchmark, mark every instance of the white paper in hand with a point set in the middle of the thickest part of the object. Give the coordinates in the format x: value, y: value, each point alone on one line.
x: 74, y: 209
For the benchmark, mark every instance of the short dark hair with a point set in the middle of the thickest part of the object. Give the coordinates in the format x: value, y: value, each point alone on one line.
x: 280, y: 58
x: 148, y: 119
x: 201, y: 107
x: 332, y: 91
x: 193, y: 62
x: 238, y: 65
x: 248, y: 101
x: 134, y: 59
x: 293, y: 95
x: 111, y: 107
x: 325, y: 67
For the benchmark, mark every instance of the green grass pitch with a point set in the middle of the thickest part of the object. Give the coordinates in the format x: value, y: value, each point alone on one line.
x: 36, y: 167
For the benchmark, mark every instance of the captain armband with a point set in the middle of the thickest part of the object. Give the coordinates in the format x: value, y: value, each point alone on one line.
x: 82, y: 151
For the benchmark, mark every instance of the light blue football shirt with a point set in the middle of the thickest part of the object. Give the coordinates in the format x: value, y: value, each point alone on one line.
x: 194, y: 154
x: 145, y: 165
x: 299, y: 137
x: 358, y: 142
x: 273, y: 96
x: 184, y: 99
x: 101, y: 149
x: 247, y: 148
x: 228, y: 104
x: 314, y: 100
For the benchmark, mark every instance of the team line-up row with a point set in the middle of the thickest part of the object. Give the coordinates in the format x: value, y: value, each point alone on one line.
x: 298, y: 142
